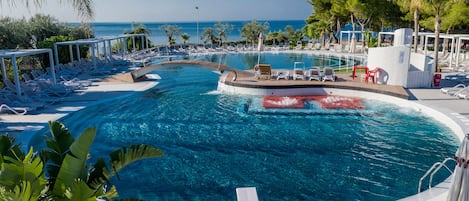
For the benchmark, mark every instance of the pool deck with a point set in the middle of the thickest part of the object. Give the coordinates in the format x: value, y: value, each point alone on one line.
x: 101, y: 91
x: 247, y: 79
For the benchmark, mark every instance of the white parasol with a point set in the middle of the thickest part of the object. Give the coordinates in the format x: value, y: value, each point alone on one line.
x: 459, y: 189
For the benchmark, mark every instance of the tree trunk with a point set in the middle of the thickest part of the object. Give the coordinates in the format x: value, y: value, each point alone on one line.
x: 339, y: 29
x: 352, y: 49
x: 437, y: 39
x: 416, y: 29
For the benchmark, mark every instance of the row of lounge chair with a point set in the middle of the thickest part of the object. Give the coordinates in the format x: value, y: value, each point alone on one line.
x: 38, y: 89
x: 264, y: 71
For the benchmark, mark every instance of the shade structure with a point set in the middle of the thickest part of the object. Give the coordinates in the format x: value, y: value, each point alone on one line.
x: 459, y: 189
x: 14, y: 54
x: 260, y: 47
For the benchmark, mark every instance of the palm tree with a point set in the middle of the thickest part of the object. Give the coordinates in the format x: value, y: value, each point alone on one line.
x: 208, y: 36
x: 171, y: 31
x: 61, y: 171
x: 438, y: 9
x: 416, y: 5
x: 185, y: 37
x: 251, y: 31
x: 223, y: 31
x: 84, y: 8
x: 140, y: 29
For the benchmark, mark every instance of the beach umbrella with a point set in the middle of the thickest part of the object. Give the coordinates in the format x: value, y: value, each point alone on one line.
x: 260, y: 47
x: 459, y: 189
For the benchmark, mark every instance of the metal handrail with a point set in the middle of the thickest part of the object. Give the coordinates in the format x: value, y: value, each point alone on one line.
x: 433, y: 170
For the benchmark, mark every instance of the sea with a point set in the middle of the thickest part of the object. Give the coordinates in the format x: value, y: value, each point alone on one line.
x: 158, y: 37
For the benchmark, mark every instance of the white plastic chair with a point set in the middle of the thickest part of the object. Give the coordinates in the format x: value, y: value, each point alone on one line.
x: 314, y: 73
x: 328, y: 74
x: 298, y: 70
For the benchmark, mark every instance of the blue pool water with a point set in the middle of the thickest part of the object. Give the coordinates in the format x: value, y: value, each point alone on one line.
x: 280, y: 60
x: 214, y: 143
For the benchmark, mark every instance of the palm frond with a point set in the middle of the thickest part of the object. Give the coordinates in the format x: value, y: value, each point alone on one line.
x: 74, y: 164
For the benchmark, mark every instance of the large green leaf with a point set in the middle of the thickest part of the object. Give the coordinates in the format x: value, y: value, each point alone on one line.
x: 123, y: 156
x: 74, y: 164
x: 62, y: 138
x: 79, y: 191
x: 58, y: 146
x: 7, y: 148
x: 119, y: 159
x: 24, y: 179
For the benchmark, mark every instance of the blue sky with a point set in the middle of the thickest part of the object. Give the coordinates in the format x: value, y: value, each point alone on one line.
x: 170, y: 10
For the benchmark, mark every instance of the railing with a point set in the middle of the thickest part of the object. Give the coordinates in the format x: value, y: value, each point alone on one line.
x: 433, y: 170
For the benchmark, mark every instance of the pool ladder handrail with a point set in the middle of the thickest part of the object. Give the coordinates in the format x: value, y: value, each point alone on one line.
x: 433, y: 170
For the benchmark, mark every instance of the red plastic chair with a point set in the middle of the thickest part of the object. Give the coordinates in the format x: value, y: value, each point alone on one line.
x: 372, y: 74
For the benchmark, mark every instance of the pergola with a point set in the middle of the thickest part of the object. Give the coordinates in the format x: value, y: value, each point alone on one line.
x: 422, y: 36
x: 456, y: 40
x: 14, y: 54
x: 383, y: 34
x: 349, y: 35
x: 461, y: 38
x: 94, y: 44
x: 89, y: 42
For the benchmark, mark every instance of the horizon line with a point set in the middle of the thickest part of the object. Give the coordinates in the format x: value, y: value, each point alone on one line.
x: 183, y: 21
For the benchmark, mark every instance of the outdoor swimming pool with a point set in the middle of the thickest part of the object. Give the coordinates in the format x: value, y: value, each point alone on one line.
x: 246, y: 61
x: 213, y: 144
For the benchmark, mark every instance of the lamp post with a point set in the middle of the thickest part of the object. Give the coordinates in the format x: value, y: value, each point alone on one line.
x: 197, y: 10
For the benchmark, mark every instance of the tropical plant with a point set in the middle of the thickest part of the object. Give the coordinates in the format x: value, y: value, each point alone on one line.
x: 293, y: 35
x: 171, y: 31
x: 413, y: 6
x: 63, y: 51
x: 222, y: 31
x: 185, y: 37
x: 370, y: 40
x: 319, y: 30
x: 437, y: 9
x: 138, y: 29
x: 14, y: 34
x: 276, y: 36
x: 208, y: 36
x: 251, y: 31
x: 61, y: 171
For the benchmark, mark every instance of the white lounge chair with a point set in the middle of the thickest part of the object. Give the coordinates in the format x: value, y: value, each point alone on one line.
x: 282, y: 74
x: 263, y: 71
x: 298, y: 70
x: 328, y: 74
x: 452, y: 90
x: 463, y: 93
x: 14, y: 110
x: 314, y: 73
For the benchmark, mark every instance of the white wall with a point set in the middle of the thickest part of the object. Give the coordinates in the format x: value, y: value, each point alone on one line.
x: 394, y: 62
x: 420, y: 75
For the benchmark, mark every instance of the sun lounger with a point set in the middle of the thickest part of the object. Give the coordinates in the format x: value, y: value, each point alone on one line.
x: 452, y: 90
x: 14, y: 110
x: 298, y: 70
x: 328, y: 74
x: 263, y: 71
x: 463, y: 93
x: 282, y: 74
x: 314, y: 73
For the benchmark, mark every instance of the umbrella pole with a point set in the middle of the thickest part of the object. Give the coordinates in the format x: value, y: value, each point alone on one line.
x: 258, y: 57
